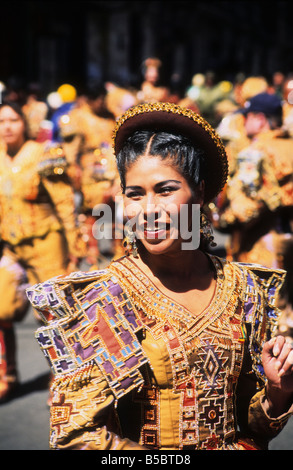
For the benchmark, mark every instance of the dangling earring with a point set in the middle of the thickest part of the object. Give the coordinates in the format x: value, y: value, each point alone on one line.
x: 206, y: 230
x: 129, y: 243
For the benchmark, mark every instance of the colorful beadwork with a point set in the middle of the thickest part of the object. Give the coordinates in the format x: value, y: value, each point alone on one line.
x: 96, y: 319
x: 206, y: 351
x: 101, y: 328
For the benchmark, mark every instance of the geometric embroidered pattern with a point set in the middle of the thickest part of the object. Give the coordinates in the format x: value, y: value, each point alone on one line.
x: 101, y: 328
x: 206, y: 351
x: 93, y: 318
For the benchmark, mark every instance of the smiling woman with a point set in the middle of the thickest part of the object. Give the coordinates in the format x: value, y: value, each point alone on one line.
x: 167, y: 348
x: 161, y: 176
x: 157, y: 192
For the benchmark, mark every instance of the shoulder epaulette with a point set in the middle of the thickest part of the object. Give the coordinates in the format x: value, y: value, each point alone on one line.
x: 261, y: 288
x: 89, y: 319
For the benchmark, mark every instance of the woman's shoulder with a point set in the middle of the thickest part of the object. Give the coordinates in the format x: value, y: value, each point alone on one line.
x: 259, y: 297
x: 256, y: 270
x: 88, y: 321
x: 254, y: 278
x: 53, y: 298
x: 75, y: 277
x: 264, y: 275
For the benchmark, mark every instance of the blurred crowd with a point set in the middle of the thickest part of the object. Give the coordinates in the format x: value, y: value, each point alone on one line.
x: 57, y: 164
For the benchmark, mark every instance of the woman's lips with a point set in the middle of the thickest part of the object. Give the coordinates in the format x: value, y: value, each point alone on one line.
x: 155, y: 233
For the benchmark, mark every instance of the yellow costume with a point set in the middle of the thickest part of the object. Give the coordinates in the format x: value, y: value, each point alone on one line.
x: 257, y: 207
x: 88, y: 143
x: 112, y: 338
x: 38, y: 228
x: 118, y: 99
x: 92, y: 167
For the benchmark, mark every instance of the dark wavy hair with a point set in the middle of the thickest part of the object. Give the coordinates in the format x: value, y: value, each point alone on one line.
x: 188, y: 159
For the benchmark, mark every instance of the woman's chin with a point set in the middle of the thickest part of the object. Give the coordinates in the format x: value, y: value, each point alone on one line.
x: 157, y: 246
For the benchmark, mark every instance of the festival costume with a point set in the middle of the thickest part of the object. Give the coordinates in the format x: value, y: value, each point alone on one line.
x: 38, y: 232
x: 151, y: 93
x: 135, y: 369
x: 116, y: 343
x: 256, y: 208
x: 92, y: 167
x: 118, y: 99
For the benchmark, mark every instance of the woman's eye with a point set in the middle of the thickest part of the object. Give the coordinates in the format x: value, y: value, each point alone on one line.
x: 133, y: 194
x: 167, y: 190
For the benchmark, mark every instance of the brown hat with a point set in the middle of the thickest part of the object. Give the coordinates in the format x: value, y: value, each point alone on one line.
x: 169, y: 117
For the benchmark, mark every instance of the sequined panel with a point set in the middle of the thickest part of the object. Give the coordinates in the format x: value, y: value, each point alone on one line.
x: 206, y: 350
x: 149, y: 398
x: 101, y: 329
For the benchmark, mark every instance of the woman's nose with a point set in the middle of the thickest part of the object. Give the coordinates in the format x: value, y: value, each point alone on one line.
x: 151, y: 207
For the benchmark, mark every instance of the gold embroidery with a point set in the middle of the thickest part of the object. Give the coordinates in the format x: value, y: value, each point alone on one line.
x: 205, y: 350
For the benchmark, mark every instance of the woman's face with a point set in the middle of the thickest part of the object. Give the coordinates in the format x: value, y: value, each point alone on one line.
x: 12, y: 126
x: 159, y: 202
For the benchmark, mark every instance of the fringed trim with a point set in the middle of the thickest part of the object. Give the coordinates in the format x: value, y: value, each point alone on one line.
x: 74, y: 380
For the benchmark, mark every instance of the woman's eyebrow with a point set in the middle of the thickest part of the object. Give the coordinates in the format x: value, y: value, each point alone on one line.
x: 157, y: 185
x: 163, y: 183
x: 132, y: 187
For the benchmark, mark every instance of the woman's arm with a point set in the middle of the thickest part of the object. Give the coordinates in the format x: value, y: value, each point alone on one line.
x: 259, y: 417
x: 83, y: 415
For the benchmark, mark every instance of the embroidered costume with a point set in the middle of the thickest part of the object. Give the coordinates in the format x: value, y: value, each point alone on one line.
x: 38, y: 231
x: 116, y: 343
x: 36, y: 203
x: 256, y: 209
x: 92, y: 167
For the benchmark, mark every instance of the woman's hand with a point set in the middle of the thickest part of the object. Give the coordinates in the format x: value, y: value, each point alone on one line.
x: 277, y: 359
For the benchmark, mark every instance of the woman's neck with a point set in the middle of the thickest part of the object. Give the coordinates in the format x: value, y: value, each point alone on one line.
x: 181, y: 265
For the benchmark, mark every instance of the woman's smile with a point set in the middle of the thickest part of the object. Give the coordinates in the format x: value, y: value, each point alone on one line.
x: 159, y: 232
x: 154, y: 194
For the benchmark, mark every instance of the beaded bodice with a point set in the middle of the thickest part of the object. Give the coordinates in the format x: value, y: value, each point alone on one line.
x: 205, y: 353
x: 177, y: 367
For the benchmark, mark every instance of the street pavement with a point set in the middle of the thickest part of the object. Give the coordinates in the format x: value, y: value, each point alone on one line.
x: 24, y: 420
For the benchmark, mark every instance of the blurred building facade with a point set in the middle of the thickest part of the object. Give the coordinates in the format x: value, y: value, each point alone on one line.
x: 87, y: 42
